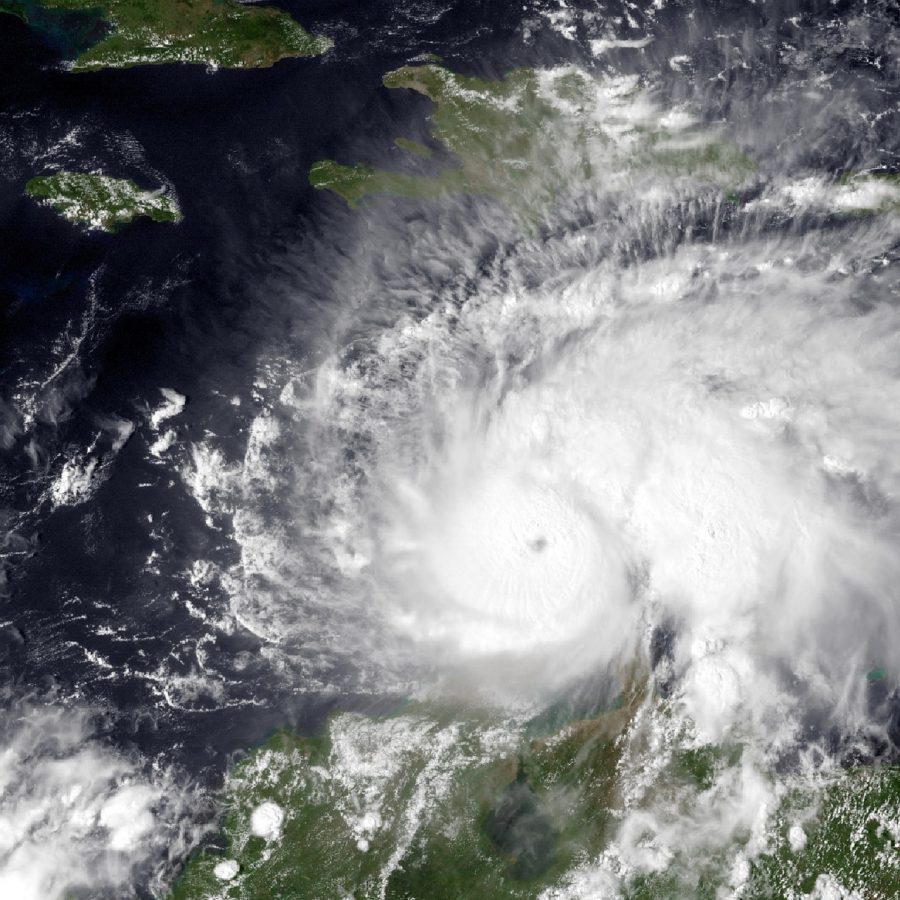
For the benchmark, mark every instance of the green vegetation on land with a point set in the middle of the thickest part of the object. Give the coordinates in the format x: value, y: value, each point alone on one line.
x: 425, y: 804
x: 851, y: 178
x: 867, y: 193
x: 435, y: 803
x: 523, y: 139
x: 14, y: 8
x: 843, y: 832
x: 700, y: 766
x: 99, y: 201
x: 491, y: 127
x: 413, y: 147
x: 852, y: 834
x: 355, y: 183
x: 208, y: 32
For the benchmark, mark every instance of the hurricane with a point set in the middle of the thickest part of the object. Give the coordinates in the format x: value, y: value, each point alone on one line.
x: 497, y: 497
x: 703, y: 438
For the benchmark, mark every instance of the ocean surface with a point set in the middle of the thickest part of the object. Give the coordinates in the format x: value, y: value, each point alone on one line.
x: 118, y: 589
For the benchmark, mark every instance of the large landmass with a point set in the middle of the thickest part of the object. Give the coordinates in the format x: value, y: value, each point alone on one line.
x: 427, y: 803
x: 437, y: 804
x: 208, y: 32
x: 101, y: 202
x: 522, y: 138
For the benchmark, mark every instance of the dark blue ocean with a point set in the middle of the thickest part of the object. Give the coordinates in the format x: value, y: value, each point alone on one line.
x: 190, y: 306
x: 93, y: 325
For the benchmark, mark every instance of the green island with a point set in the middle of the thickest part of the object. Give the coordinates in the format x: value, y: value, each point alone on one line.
x: 523, y: 138
x: 214, y: 33
x: 101, y: 202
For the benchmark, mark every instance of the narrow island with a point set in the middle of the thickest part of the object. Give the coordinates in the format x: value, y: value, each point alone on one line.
x: 215, y: 33
x: 101, y: 202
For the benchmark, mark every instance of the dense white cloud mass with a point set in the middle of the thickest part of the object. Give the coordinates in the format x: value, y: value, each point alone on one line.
x: 516, y: 489
x: 631, y: 433
x: 530, y: 451
x: 608, y: 427
x: 75, y: 815
x: 710, y: 436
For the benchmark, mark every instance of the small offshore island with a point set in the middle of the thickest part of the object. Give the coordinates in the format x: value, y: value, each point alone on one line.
x: 205, y: 32
x: 101, y: 202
